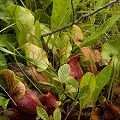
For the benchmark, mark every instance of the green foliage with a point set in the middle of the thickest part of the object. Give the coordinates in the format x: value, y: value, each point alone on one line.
x: 57, y: 114
x: 87, y: 83
x: 71, y: 81
x: 76, y: 50
x: 84, y: 92
x: 69, y: 89
x: 63, y: 72
x: 37, y: 29
x: 15, y: 86
x: 33, y: 39
x: 65, y: 49
x: 86, y: 63
x: 7, y: 38
x: 100, y: 3
x: 101, y: 80
x: 111, y: 50
x: 59, y: 13
x: 40, y: 55
x: 42, y: 113
x: 102, y: 99
x: 43, y: 16
x: 22, y: 17
x: 22, y: 38
x: 3, y: 102
x: 100, y: 31
x: 4, y: 118
x: 3, y: 62
x: 26, y: 22
x: 3, y: 13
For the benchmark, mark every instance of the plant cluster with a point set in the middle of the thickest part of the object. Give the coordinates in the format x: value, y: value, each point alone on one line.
x: 65, y: 50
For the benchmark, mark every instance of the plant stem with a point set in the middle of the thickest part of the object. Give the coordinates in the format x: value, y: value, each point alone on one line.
x: 7, y: 27
x: 79, y: 113
x: 116, y: 77
x: 8, y: 95
x: 113, y: 29
x: 112, y: 81
x: 22, y: 3
x: 92, y: 111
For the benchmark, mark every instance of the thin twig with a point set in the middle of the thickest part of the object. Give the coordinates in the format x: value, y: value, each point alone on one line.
x: 8, y: 95
x: 77, y: 21
x: 73, y: 11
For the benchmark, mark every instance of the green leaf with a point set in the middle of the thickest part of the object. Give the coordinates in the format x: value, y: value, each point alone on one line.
x: 33, y: 39
x: 4, y: 118
x: 22, y: 16
x: 59, y: 11
x: 42, y: 113
x: 58, y: 103
x: 86, y: 63
x: 111, y: 52
x: 76, y: 50
x: 69, y: 89
x: 84, y: 92
x: 6, y: 3
x: 43, y: 16
x: 101, y: 80
x: 76, y: 33
x: 57, y: 84
x: 63, y: 72
x: 3, y: 62
x: 32, y: 51
x: 71, y: 81
x: 45, y: 29
x: 57, y: 114
x: 15, y: 86
x: 87, y: 80
x: 99, y: 32
x: 102, y: 99
x: 40, y: 77
x: 6, y: 51
x: 37, y: 29
x: 22, y: 37
x: 62, y: 97
x: 50, y: 40
x: 3, y: 102
x: 9, y: 38
x: 111, y: 49
x: 3, y: 13
x: 31, y: 60
x: 100, y: 3
x: 44, y: 85
x: 65, y: 49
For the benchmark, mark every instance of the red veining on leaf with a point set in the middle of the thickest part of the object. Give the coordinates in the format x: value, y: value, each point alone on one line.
x: 37, y: 76
x: 75, y: 71
x: 14, y: 85
x: 19, y: 88
x: 28, y: 103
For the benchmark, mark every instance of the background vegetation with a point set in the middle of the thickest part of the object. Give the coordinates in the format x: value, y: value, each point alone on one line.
x: 65, y: 50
